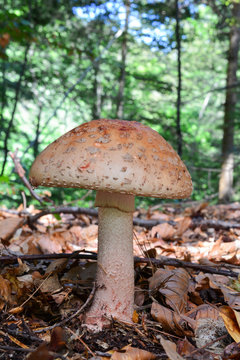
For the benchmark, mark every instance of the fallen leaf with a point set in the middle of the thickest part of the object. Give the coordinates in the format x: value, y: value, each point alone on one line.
x: 222, y: 283
x: 231, y: 320
x: 8, y: 227
x: 16, y: 341
x: 232, y: 351
x: 51, y: 244
x: 169, y: 320
x: 16, y: 310
x: 130, y: 353
x: 164, y: 231
x: 5, y: 291
x: 49, y: 285
x: 170, y: 349
x: 173, y: 284
x: 184, y: 347
x: 183, y: 225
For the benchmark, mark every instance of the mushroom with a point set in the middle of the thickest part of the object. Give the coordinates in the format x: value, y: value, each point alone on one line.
x: 119, y: 159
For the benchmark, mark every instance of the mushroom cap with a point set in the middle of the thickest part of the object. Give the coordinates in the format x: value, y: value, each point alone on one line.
x: 116, y: 156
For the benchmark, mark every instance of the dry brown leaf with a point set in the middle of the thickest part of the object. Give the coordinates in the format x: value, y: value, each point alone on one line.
x: 232, y: 351
x: 173, y: 284
x: 87, y: 234
x: 16, y: 341
x: 170, y: 349
x: 8, y: 227
x: 164, y: 231
x: 169, y: 320
x: 84, y: 273
x: 5, y: 291
x: 196, y: 210
x: 184, y: 347
x: 231, y: 296
x: 219, y: 282
x: 25, y: 281
x: 51, y: 244
x: 16, y: 310
x: 231, y: 320
x: 207, y: 311
x: 130, y: 353
x: 56, y: 266
x: 223, y: 251
x: 139, y: 296
x: 183, y: 225
x: 50, y: 284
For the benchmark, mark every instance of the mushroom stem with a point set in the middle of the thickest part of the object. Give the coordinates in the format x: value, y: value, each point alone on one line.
x: 114, y: 295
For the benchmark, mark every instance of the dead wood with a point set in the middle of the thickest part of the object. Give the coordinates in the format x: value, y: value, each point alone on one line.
x: 21, y: 173
x: 216, y: 224
x: 196, y: 222
x: 163, y: 261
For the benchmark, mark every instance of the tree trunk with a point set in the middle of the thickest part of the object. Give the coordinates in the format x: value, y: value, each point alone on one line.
x: 120, y: 101
x: 226, y: 175
x: 179, y: 86
x: 10, y: 124
x: 36, y: 141
x: 97, y: 93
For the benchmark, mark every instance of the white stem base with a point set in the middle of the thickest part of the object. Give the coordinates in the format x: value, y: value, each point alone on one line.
x: 114, y: 295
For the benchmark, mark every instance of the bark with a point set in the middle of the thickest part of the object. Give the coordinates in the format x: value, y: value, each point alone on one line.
x: 120, y: 97
x: 36, y: 142
x: 97, y: 93
x: 11, y: 122
x: 226, y: 175
x: 179, y: 86
x: 3, y: 96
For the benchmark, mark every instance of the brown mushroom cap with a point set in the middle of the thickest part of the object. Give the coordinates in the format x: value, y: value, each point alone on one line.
x: 115, y: 156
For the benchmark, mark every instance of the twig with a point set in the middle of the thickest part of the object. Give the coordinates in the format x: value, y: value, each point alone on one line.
x: 14, y: 348
x: 208, y: 344
x: 20, y: 334
x: 216, y: 224
x: 83, y: 342
x: 11, y: 259
x: 21, y: 173
x: 79, y: 311
x: 185, y: 264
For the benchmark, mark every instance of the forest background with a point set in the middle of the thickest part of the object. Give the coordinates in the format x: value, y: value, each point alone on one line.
x: 172, y: 65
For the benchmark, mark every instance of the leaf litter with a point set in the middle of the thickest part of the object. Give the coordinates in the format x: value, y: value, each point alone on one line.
x: 183, y: 312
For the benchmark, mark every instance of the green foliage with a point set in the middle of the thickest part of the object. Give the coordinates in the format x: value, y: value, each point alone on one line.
x: 63, y: 45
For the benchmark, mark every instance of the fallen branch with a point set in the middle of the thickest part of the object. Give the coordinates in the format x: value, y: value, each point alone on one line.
x: 217, y: 269
x: 21, y: 173
x: 148, y: 224
x: 91, y: 212
x: 216, y: 224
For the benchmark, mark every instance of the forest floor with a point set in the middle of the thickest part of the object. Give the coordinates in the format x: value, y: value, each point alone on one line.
x: 187, y: 266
